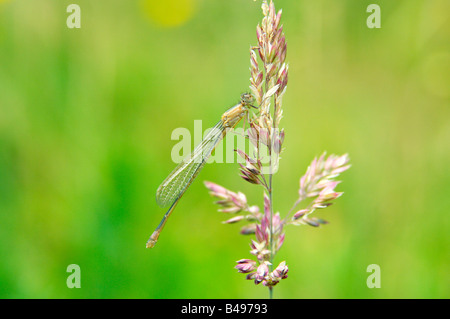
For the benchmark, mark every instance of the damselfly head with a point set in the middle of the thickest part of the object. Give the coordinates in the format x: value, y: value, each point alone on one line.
x: 247, y: 99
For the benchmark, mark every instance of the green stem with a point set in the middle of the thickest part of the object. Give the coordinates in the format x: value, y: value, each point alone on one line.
x: 271, y: 222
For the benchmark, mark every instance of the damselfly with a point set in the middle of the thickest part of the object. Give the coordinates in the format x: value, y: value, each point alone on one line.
x: 173, y: 187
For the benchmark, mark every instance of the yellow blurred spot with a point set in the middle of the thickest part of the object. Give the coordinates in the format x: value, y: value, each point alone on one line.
x: 168, y: 13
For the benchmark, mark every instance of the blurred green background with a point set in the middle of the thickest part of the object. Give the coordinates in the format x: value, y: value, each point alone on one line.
x: 86, y: 117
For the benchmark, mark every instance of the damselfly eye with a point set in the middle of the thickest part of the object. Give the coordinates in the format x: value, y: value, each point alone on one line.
x: 247, y: 98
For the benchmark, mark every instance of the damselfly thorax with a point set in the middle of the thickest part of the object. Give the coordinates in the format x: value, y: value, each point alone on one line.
x: 231, y: 117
